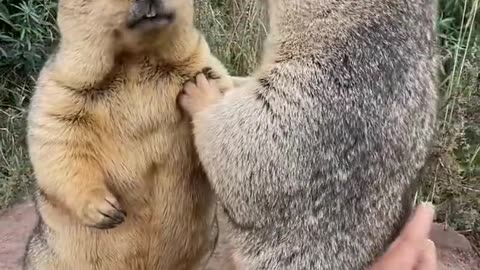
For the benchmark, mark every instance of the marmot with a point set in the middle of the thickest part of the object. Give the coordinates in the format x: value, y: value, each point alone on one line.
x: 119, y: 185
x: 315, y: 160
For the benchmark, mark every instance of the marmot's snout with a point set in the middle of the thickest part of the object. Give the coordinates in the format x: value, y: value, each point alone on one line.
x: 148, y: 15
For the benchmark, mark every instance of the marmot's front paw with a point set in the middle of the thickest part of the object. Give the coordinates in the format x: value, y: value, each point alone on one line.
x: 100, y: 209
x: 200, y: 95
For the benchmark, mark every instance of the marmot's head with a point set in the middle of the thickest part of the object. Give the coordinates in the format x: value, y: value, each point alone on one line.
x: 138, y: 17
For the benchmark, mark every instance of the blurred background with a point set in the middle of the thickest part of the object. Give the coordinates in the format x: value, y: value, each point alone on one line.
x: 235, y: 30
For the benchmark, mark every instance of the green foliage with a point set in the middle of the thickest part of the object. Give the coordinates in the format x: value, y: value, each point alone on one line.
x: 235, y: 30
x: 26, y: 32
x: 454, y: 179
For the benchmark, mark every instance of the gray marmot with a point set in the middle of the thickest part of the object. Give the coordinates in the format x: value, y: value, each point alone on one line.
x: 316, y: 157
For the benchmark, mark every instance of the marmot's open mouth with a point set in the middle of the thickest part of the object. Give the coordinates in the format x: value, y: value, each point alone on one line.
x: 152, y: 20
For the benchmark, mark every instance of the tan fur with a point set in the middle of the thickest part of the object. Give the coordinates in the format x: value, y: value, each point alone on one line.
x: 105, y: 135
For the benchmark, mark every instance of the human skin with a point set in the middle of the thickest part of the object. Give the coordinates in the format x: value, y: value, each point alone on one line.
x: 412, y: 250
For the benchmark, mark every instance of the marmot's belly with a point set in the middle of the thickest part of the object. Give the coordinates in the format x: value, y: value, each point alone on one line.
x: 169, y: 216
x: 133, y: 246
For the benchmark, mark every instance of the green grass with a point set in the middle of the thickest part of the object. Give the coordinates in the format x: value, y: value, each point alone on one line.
x: 455, y: 170
x: 235, y: 30
x: 26, y: 32
x: 453, y: 179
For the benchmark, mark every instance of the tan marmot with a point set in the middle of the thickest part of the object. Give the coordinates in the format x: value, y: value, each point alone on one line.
x: 119, y: 184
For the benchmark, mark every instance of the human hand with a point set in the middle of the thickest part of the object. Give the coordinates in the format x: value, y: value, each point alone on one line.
x: 412, y: 250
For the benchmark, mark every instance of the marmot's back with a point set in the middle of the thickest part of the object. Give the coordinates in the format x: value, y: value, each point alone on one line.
x: 329, y: 140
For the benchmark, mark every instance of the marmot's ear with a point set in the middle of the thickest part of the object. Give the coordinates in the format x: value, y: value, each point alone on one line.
x: 210, y: 74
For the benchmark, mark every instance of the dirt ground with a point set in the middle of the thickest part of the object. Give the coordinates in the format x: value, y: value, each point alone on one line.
x: 15, y: 227
x: 454, y: 250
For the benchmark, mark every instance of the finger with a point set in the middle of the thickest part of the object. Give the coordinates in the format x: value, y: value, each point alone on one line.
x: 418, y: 228
x: 407, y: 249
x: 402, y: 256
x: 202, y: 81
x: 428, y: 259
x: 412, y: 224
x: 419, y: 224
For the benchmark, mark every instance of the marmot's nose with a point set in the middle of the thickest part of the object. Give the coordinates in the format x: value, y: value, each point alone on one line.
x: 150, y: 14
x: 154, y: 7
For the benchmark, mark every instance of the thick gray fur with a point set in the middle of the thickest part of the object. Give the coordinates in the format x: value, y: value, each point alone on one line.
x: 316, y: 159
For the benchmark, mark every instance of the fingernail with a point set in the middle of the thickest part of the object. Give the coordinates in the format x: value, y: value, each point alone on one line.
x: 427, y: 204
x: 430, y: 243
